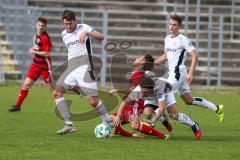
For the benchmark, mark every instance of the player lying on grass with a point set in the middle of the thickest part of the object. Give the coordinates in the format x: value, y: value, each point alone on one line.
x: 143, y: 65
x: 135, y: 109
x: 131, y: 114
x: 157, y: 92
x: 145, y: 90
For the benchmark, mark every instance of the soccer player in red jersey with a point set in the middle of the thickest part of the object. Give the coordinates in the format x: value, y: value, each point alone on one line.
x: 131, y: 112
x: 41, y: 65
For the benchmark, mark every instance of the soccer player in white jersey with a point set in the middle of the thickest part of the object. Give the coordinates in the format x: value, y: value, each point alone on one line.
x: 80, y: 71
x: 158, y: 93
x: 176, y: 47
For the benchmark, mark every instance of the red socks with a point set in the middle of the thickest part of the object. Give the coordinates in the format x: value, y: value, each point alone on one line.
x: 122, y: 132
x: 142, y: 128
x: 150, y: 131
x: 22, y: 95
x: 119, y: 130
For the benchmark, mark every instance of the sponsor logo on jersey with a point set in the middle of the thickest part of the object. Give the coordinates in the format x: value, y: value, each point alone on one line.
x: 171, y: 50
x: 72, y: 43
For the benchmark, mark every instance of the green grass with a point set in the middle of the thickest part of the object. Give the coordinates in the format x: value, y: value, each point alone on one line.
x: 30, y: 134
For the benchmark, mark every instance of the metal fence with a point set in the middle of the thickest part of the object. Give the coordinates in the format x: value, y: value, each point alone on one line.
x: 19, y: 19
x: 19, y: 22
x: 2, y: 77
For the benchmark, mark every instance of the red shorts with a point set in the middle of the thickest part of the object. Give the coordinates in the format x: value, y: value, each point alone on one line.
x: 35, y: 72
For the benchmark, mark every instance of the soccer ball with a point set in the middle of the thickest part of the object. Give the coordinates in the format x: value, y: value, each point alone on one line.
x: 102, y: 131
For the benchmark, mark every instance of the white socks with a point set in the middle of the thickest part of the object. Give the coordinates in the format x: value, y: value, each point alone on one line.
x: 101, y: 110
x: 185, y: 119
x: 204, y: 103
x: 63, y: 109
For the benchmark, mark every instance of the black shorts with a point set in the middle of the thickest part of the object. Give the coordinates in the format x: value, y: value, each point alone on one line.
x: 154, y: 107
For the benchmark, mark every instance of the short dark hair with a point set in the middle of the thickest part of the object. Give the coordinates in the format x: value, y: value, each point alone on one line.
x: 147, y: 83
x: 149, y: 62
x: 43, y: 20
x: 177, y: 18
x: 68, y: 15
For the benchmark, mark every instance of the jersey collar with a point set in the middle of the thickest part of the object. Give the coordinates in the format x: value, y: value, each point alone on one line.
x: 175, y: 35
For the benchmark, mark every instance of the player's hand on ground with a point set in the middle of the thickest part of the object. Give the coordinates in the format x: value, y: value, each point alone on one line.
x: 116, y: 121
x: 167, y: 137
x: 83, y: 36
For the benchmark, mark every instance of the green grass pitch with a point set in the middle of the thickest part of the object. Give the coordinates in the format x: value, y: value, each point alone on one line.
x: 31, y: 134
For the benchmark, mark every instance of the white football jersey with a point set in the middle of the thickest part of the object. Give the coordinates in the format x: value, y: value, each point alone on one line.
x: 72, y: 41
x: 176, y: 49
x: 162, y: 87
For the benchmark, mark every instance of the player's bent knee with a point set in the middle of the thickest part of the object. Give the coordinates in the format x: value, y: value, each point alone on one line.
x: 173, y: 116
x: 59, y: 89
x: 170, y: 115
x: 94, y: 102
x: 57, y: 94
x: 188, y: 102
x: 26, y: 86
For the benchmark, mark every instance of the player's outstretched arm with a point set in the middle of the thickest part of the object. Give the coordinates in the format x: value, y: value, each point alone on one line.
x: 94, y: 34
x: 193, y: 66
x: 122, y: 90
x: 116, y: 120
x: 159, y: 112
x: 161, y: 59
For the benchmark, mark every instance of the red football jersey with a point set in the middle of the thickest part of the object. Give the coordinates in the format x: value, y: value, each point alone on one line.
x: 132, y: 108
x: 137, y: 106
x: 136, y: 78
x: 42, y: 42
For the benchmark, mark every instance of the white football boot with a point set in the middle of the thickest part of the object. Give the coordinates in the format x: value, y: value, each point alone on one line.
x: 66, y: 129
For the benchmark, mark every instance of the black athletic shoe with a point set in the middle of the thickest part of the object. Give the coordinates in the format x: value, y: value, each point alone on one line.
x: 167, y: 125
x: 14, y: 109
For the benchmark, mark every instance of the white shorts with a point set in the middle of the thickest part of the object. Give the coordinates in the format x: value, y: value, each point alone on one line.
x: 181, y: 86
x: 79, y: 77
x: 170, y: 100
